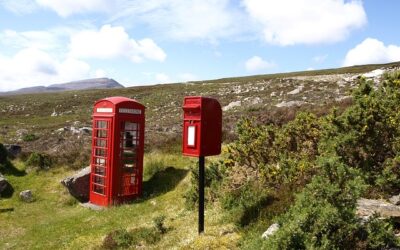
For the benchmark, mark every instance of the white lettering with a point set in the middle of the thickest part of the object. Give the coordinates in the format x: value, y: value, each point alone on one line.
x: 130, y: 111
x: 104, y: 110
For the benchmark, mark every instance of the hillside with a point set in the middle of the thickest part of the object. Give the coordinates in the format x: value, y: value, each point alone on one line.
x: 272, y: 98
x: 95, y: 83
x: 268, y: 158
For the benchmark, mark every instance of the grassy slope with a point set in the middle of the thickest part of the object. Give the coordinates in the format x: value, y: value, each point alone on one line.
x: 56, y: 221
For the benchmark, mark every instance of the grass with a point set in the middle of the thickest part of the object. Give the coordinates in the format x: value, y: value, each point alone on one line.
x: 56, y: 221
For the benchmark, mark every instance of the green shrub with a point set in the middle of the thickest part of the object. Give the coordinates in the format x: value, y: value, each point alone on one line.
x: 213, y: 175
x: 323, y: 215
x: 151, y: 167
x: 159, y: 224
x: 379, y: 234
x: 39, y: 160
x: 30, y: 137
x: 117, y: 239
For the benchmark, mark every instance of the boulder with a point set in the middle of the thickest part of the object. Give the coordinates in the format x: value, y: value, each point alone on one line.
x: 368, y: 207
x: 26, y: 196
x: 395, y: 200
x: 13, y: 150
x: 78, y: 184
x: 270, y: 231
x: 5, y: 186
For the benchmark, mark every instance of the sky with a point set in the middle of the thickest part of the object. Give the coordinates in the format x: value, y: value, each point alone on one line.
x: 139, y: 42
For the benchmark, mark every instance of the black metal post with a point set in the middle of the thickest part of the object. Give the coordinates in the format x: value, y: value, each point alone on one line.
x: 201, y: 194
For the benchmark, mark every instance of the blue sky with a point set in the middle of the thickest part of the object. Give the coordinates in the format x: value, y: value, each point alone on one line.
x: 159, y: 41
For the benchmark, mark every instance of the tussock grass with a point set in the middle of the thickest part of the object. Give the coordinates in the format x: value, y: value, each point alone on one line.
x: 57, y: 221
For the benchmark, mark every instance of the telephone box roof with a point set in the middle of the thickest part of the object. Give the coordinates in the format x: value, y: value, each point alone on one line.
x: 120, y: 99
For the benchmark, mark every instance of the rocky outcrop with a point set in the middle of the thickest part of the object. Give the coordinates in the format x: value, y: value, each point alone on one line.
x: 395, y: 200
x: 13, y: 150
x: 78, y: 184
x: 368, y: 207
x: 270, y: 231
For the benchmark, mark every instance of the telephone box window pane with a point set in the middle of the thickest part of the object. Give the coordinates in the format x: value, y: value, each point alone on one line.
x: 101, y: 124
x: 102, y: 133
x: 101, y: 143
x: 99, y: 180
x: 98, y: 189
x: 130, y: 126
x: 101, y: 152
x: 191, y: 135
x: 129, y: 139
x: 100, y: 161
x: 100, y: 171
x: 129, y: 154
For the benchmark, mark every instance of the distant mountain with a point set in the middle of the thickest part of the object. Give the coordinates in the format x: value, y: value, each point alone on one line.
x: 96, y: 83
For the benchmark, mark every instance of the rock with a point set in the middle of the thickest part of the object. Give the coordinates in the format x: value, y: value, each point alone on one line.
x: 395, y: 200
x: 54, y: 113
x: 74, y: 130
x: 232, y: 105
x: 13, y: 150
x: 296, y: 91
x: 60, y: 130
x: 5, y: 186
x: 26, y: 196
x: 78, y: 184
x: 270, y: 231
x: 289, y: 104
x: 85, y: 130
x: 374, y: 73
x: 367, y: 207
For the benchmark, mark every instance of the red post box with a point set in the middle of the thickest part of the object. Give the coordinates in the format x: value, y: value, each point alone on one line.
x: 202, y: 132
x: 202, y: 125
x: 117, y: 151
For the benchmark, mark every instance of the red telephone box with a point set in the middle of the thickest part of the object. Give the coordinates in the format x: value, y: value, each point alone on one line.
x: 202, y: 125
x: 117, y: 151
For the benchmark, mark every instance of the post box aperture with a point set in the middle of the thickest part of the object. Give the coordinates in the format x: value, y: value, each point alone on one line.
x: 117, y: 151
x: 202, y: 125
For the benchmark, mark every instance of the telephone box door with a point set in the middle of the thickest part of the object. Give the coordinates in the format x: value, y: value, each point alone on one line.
x: 101, y: 160
x: 130, y: 146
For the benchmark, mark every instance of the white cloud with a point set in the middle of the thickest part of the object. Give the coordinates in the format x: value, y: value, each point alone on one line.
x: 19, y: 6
x: 162, y: 78
x: 43, y: 40
x: 184, y: 19
x: 113, y: 42
x: 32, y: 66
x: 372, y: 51
x: 65, y: 8
x: 289, y: 22
x: 256, y: 63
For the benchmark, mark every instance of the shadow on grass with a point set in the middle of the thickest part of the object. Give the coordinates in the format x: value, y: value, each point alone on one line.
x: 252, y: 213
x: 9, y: 169
x: 163, y: 182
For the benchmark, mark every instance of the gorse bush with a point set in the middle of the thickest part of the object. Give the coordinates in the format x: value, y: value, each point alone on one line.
x: 323, y: 216
x: 213, y: 176
x: 39, y: 160
x: 329, y: 161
